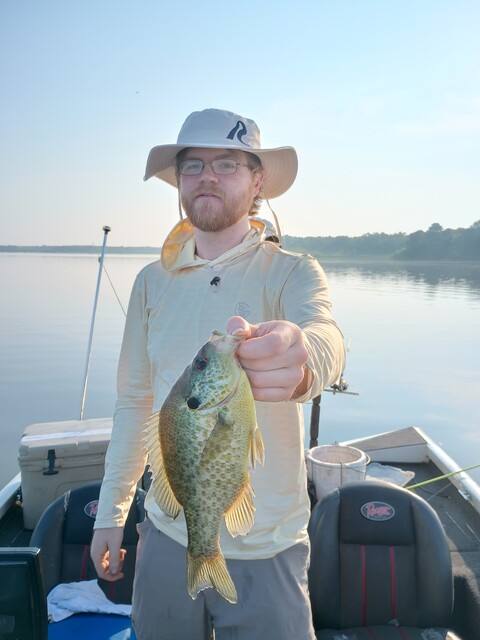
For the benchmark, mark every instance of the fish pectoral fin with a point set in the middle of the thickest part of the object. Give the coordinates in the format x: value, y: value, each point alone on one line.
x: 225, y: 417
x: 219, y: 440
x: 239, y: 516
x: 162, y: 491
x: 211, y: 571
x: 257, y: 450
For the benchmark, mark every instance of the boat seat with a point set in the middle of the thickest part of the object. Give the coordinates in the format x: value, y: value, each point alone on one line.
x: 380, y: 566
x: 64, y: 532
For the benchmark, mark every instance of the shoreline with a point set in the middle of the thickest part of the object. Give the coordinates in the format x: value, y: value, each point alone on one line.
x: 156, y: 252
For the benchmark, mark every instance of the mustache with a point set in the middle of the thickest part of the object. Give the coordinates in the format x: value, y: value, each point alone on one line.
x: 207, y: 191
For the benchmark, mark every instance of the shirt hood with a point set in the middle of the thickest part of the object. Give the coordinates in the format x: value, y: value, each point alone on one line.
x: 178, y: 251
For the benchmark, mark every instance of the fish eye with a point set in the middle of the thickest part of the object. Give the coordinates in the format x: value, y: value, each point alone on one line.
x: 200, y: 364
x: 193, y: 403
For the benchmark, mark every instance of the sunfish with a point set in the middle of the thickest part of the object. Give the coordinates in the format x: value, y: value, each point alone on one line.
x: 201, y: 446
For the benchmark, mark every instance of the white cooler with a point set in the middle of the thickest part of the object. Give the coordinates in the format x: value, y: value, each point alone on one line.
x: 57, y: 456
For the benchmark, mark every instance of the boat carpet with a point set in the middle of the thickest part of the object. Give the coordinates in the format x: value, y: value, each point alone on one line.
x: 462, y: 526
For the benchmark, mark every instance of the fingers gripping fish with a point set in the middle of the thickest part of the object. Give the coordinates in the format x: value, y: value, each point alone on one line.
x: 200, y: 448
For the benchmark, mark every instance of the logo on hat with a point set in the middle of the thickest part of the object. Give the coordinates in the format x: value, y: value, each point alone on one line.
x: 377, y: 511
x: 238, y: 130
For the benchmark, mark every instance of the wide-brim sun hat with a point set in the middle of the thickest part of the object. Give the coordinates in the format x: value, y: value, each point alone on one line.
x: 218, y: 129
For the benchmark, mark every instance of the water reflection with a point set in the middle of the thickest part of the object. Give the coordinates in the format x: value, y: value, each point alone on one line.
x: 464, y: 275
x: 411, y: 328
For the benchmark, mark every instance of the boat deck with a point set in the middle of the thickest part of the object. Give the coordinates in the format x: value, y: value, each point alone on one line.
x: 12, y: 531
x: 459, y: 516
x: 462, y: 526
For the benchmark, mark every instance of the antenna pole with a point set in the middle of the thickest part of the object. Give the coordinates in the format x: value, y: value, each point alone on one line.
x: 106, y: 230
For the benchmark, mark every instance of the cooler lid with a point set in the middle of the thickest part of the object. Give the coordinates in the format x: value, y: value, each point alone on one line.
x: 69, y: 437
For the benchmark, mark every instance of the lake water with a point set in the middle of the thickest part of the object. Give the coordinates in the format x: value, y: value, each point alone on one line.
x: 412, y: 332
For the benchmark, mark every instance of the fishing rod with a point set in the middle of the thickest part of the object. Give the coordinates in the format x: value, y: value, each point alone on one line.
x: 442, y: 477
x: 106, y: 231
x: 340, y: 388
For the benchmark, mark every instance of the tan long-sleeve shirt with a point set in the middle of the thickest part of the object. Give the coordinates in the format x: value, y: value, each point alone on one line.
x: 175, y: 304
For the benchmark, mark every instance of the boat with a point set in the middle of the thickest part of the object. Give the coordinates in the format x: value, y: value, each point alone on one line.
x: 35, y: 505
x: 454, y: 496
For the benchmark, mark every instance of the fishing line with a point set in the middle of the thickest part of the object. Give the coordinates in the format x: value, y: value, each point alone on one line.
x: 114, y: 290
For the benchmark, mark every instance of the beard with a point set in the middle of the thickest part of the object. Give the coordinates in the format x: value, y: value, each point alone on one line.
x: 213, y: 210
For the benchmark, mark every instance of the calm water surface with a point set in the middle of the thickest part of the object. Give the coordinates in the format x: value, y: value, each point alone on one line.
x: 411, y: 330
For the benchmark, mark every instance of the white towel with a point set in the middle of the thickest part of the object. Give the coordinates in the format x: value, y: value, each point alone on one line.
x: 81, y: 597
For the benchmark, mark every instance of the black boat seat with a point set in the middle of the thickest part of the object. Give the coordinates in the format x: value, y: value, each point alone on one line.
x: 64, y: 532
x: 380, y: 566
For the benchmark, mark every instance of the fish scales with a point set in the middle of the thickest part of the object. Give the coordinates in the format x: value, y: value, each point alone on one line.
x: 201, y: 446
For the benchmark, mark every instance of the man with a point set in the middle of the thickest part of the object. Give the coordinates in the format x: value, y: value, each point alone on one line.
x: 218, y: 271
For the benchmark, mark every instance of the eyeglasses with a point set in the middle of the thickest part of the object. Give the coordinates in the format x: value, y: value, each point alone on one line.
x: 221, y: 167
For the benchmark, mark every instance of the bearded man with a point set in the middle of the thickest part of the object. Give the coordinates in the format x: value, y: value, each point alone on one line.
x: 221, y: 267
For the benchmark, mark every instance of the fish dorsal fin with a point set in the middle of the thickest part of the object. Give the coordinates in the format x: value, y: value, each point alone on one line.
x: 162, y: 490
x: 257, y: 450
x: 239, y: 516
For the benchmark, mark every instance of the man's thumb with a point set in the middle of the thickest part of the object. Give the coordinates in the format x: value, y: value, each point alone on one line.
x: 114, y: 559
x: 238, y: 326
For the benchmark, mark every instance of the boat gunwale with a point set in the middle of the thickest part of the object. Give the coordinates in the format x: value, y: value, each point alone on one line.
x: 417, y: 447
x: 9, y: 492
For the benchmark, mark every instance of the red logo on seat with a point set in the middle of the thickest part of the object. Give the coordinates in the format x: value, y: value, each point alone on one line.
x: 91, y: 509
x: 377, y: 511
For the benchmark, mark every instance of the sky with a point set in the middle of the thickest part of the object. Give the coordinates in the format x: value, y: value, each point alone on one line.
x: 380, y: 98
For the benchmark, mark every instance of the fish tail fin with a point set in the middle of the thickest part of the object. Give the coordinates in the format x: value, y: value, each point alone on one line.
x: 210, y: 571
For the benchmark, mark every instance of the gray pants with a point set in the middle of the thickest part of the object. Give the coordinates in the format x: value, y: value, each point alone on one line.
x: 273, y: 601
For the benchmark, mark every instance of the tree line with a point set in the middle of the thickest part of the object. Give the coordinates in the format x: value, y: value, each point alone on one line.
x: 436, y: 243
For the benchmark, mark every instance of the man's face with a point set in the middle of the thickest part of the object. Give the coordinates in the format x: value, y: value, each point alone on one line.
x: 215, y: 202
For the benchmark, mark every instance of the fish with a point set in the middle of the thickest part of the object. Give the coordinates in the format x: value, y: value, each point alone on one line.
x: 201, y: 446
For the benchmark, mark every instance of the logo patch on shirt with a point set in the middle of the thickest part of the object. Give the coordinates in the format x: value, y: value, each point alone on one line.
x: 377, y: 511
x: 242, y: 309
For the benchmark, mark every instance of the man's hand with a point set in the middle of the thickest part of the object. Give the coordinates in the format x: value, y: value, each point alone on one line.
x: 106, y: 553
x: 273, y: 356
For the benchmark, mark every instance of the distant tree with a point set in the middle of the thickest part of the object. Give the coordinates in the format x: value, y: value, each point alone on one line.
x: 435, y: 244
